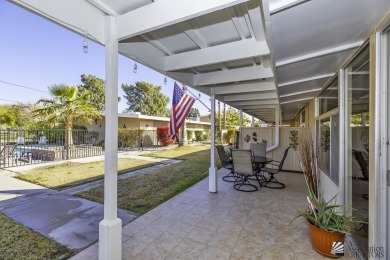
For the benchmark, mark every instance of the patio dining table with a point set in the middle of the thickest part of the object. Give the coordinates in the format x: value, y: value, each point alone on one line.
x: 260, y: 162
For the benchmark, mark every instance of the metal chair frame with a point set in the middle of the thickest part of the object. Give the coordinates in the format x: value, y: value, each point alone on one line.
x: 226, y: 163
x: 272, y: 182
x: 242, y: 166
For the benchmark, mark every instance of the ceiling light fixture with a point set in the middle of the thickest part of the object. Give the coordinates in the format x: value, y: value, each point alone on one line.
x: 85, y: 43
x: 135, y: 66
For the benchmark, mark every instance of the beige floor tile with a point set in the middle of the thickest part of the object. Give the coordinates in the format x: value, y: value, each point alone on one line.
x: 152, y: 252
x: 167, y: 241
x: 229, y: 229
x: 280, y: 241
x: 275, y: 253
x: 146, y: 219
x: 248, y: 248
x: 181, y: 229
x: 132, y: 229
x: 210, y: 223
x: 131, y: 248
x: 214, y: 254
x: 148, y: 234
x: 225, y: 242
x: 255, y: 235
x: 280, y: 229
x: 242, y: 256
x: 91, y: 253
x: 201, y: 235
x: 187, y: 249
x: 163, y: 223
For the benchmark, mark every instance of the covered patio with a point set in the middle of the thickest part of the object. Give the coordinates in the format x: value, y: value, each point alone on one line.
x: 229, y: 224
x: 269, y: 59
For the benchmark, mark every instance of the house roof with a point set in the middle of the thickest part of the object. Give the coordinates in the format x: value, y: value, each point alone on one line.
x: 155, y: 118
x: 256, y: 55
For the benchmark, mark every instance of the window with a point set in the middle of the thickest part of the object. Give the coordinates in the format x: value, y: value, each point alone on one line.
x: 329, y: 98
x: 328, y: 131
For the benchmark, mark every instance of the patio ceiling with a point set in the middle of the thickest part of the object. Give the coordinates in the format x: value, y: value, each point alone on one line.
x: 235, y: 46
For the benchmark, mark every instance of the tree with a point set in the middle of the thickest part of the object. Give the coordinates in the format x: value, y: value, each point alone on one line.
x: 95, y: 87
x: 65, y: 107
x: 146, y: 98
x: 233, y: 119
x: 17, y: 116
x: 194, y: 112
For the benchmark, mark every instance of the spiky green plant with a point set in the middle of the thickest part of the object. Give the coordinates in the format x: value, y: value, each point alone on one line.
x: 329, y: 216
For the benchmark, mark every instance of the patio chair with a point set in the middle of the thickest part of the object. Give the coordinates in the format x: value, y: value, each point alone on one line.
x: 363, y: 167
x: 20, y: 140
x: 258, y: 149
x: 5, y: 153
x: 272, y: 182
x: 242, y: 166
x: 226, y: 163
x: 42, y: 140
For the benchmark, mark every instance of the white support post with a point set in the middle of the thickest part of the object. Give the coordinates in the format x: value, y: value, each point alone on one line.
x: 212, y: 169
x: 110, y: 228
x: 253, y: 122
x: 240, y: 118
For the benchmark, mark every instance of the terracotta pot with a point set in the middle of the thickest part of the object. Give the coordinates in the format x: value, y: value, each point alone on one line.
x: 322, y: 240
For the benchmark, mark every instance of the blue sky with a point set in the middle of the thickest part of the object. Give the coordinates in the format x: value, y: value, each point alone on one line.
x: 37, y: 53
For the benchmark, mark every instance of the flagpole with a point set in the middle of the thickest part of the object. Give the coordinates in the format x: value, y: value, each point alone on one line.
x: 198, y: 99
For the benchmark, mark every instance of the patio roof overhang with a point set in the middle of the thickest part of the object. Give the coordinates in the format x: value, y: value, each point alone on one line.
x: 258, y: 55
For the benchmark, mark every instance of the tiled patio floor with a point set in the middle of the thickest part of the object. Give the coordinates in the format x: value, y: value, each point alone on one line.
x: 229, y: 224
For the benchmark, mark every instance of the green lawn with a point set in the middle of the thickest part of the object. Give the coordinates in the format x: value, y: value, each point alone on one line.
x: 143, y: 192
x: 18, y: 242
x: 65, y: 176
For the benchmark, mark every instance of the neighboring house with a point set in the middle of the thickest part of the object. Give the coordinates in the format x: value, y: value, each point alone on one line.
x: 137, y: 120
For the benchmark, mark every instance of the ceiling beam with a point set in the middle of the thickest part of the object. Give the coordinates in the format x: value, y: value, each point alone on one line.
x: 243, y: 88
x: 247, y: 97
x: 156, y: 44
x: 233, y: 75
x: 284, y: 5
x: 306, y: 79
x: 296, y: 100
x: 159, y: 14
x: 259, y: 107
x: 63, y: 13
x: 301, y: 92
x: 254, y: 103
x: 103, y: 7
x: 256, y: 20
x: 319, y: 53
x: 216, y: 54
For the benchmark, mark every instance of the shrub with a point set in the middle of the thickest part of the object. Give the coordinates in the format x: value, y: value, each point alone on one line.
x: 128, y: 137
x: 162, y: 136
x: 189, y: 134
x: 199, y: 135
x: 230, y: 135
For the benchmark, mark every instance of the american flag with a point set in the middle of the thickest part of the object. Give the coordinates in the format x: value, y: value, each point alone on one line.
x: 181, y: 106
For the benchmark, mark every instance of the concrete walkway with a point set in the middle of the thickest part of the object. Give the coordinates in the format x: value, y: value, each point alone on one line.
x: 58, y: 215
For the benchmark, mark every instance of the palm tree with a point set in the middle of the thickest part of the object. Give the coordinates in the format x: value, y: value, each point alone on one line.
x: 65, y: 107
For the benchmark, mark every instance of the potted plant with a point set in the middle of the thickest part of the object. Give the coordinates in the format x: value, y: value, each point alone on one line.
x: 328, y: 222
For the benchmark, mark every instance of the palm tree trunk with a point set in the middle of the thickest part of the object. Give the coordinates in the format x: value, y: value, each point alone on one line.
x: 68, y: 140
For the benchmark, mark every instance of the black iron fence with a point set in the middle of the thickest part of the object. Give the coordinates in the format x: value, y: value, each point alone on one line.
x: 21, y: 147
